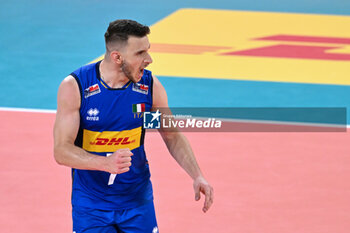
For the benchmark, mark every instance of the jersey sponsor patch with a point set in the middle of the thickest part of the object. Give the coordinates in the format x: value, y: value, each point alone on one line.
x: 141, y: 88
x: 93, y: 114
x: 92, y: 90
x: 110, y: 141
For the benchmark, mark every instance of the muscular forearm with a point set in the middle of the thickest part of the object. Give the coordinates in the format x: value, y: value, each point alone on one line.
x: 75, y: 157
x: 180, y: 149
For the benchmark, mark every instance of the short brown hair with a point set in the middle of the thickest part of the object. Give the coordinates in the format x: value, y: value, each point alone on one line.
x: 120, y: 30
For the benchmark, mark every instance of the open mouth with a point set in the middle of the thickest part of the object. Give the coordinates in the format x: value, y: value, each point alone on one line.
x: 141, y: 72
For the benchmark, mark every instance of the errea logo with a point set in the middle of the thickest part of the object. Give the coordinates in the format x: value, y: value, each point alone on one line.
x: 93, y: 114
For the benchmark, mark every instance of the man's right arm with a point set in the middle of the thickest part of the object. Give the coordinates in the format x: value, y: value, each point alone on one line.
x: 66, y: 129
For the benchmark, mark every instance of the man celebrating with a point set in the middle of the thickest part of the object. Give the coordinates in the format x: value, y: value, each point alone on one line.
x: 97, y: 134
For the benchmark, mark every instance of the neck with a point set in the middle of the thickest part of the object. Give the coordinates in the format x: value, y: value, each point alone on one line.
x: 112, y: 75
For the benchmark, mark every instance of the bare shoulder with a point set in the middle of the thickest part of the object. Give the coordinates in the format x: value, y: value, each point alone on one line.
x: 67, y: 116
x: 68, y: 95
x: 69, y: 85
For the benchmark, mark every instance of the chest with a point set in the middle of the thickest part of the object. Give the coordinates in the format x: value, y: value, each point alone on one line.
x: 112, y: 110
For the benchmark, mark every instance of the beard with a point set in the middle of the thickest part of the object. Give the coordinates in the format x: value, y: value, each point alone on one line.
x: 126, y: 68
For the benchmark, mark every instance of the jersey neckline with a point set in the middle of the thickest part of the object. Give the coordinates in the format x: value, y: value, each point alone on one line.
x: 104, y: 84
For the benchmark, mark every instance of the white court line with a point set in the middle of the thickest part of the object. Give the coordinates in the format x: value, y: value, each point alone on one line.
x: 27, y: 110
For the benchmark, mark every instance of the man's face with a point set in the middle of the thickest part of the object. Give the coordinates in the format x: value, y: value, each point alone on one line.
x: 135, y: 58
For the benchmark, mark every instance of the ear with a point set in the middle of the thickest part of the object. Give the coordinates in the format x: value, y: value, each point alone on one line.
x: 116, y: 57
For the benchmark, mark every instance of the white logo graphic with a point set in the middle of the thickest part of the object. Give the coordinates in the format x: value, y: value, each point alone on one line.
x: 93, y: 112
x: 155, y: 230
x: 92, y: 90
x: 141, y: 88
x: 151, y: 120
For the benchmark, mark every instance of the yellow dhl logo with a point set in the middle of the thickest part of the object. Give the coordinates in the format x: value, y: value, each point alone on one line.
x: 110, y: 141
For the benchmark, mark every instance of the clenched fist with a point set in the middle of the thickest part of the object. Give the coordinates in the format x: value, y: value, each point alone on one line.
x: 119, y: 162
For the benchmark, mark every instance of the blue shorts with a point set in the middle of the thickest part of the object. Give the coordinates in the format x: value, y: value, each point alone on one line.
x: 138, y: 220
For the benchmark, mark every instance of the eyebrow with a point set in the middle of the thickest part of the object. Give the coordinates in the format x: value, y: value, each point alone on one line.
x: 149, y: 46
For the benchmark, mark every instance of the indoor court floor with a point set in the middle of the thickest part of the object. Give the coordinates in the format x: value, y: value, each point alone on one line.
x: 229, y: 54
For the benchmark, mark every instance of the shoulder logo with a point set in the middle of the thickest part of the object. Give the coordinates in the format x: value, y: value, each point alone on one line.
x: 93, y: 114
x: 140, y: 88
x: 92, y: 90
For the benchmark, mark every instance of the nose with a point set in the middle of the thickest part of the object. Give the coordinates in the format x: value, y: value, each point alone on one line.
x: 148, y: 59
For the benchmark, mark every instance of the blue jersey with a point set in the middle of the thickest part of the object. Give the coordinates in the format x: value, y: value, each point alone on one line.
x: 111, y: 119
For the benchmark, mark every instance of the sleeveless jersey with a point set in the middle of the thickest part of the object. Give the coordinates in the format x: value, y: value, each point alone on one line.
x: 111, y: 119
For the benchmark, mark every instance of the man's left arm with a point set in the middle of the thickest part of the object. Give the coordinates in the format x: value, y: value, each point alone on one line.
x: 180, y: 148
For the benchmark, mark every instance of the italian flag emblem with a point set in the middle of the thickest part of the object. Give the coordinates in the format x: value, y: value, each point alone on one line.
x: 138, y: 108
